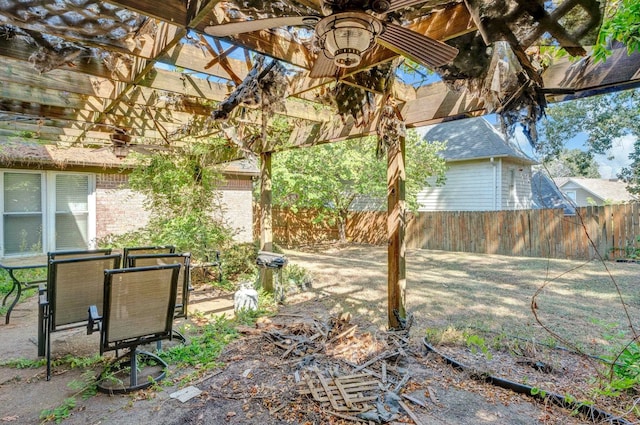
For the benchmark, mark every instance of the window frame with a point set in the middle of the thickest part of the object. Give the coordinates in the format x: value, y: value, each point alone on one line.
x: 48, y: 195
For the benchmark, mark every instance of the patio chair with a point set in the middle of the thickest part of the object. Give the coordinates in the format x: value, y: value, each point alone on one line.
x: 137, y: 309
x: 184, y: 286
x: 73, y: 284
x: 139, y: 250
x: 59, y: 255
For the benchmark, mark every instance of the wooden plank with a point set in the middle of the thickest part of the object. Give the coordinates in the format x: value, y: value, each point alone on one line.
x: 396, y: 207
x: 567, y: 79
x: 327, y: 390
x: 171, y: 10
x: 62, y: 99
x: 16, y: 71
x: 19, y: 49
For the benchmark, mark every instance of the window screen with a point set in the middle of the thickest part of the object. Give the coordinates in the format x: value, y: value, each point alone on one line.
x: 72, y: 211
x: 22, y: 213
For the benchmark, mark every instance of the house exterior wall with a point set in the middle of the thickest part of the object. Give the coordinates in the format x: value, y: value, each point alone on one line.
x: 118, y: 208
x: 469, y: 187
x: 583, y: 197
x: 516, y: 186
x: 237, y: 207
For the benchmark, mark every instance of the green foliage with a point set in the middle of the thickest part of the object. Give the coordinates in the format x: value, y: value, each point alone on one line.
x: 627, y: 368
x: 24, y: 363
x: 267, y: 305
x: 623, y: 25
x: 204, y: 348
x: 181, y: 194
x: 59, y: 413
x: 603, y: 119
x: 86, y: 387
x: 327, y: 178
x: 539, y: 392
x: 572, y: 163
x: 296, y: 276
x: 478, y: 344
x: 239, y: 262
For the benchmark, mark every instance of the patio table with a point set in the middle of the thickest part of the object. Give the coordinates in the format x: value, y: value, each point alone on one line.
x: 11, y: 265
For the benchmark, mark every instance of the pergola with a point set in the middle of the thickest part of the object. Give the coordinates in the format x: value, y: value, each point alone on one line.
x: 141, y: 72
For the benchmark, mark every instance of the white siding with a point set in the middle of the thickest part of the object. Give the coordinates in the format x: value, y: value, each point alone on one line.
x: 516, y: 186
x: 583, y: 197
x: 469, y: 187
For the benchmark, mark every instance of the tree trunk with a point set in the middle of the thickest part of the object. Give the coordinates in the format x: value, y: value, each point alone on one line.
x: 342, y: 226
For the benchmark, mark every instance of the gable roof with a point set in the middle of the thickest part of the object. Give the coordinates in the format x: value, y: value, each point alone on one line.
x: 473, y: 138
x: 545, y: 194
x: 604, y: 189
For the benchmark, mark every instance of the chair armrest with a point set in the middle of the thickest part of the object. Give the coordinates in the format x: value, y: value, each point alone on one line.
x: 95, y: 320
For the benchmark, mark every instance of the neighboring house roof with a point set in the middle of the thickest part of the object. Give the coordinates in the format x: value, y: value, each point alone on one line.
x: 247, y: 166
x: 33, y: 154
x: 473, y: 138
x: 611, y: 190
x: 547, y: 195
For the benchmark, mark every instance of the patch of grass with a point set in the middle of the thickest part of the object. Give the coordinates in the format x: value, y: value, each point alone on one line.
x: 445, y: 336
x: 85, y: 387
x: 59, y: 413
x: 204, y: 347
x: 24, y: 363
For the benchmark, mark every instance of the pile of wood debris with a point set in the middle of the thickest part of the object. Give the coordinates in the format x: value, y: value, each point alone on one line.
x: 339, y: 373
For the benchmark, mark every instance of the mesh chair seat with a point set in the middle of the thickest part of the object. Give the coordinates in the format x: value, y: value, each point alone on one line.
x: 184, y: 279
x: 73, y: 284
x: 138, y: 308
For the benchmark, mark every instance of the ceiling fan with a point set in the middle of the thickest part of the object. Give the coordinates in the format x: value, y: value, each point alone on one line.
x: 350, y: 28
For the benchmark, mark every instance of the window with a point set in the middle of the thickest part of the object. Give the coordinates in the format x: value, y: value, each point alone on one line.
x: 46, y: 211
x: 71, y: 211
x: 22, y: 213
x: 571, y: 194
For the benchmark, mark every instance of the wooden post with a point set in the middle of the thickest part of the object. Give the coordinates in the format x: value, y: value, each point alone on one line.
x: 396, y: 278
x: 266, y: 218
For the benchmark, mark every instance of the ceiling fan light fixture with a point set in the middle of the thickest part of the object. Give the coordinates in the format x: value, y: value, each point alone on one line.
x: 344, y: 37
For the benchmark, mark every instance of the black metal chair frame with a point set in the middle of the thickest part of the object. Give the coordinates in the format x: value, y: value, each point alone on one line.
x: 101, y: 323
x: 48, y: 300
x: 140, y: 250
x: 58, y: 255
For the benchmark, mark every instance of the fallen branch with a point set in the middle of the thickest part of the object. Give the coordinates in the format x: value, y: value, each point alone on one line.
x: 409, y: 412
x: 382, y: 356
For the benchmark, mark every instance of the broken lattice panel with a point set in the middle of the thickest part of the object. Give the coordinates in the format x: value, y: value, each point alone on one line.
x: 345, y: 393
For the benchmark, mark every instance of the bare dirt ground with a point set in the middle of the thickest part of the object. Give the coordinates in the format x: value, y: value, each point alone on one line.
x: 450, y: 295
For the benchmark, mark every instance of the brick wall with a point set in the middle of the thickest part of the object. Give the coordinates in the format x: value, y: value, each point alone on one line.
x: 237, y: 206
x: 120, y: 210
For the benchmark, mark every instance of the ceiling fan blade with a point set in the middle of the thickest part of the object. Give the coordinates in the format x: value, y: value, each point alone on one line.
x: 400, y: 4
x: 234, y: 28
x: 323, y: 67
x: 417, y: 47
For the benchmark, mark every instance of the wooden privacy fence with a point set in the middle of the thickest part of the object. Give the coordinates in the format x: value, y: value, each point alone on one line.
x: 610, y: 231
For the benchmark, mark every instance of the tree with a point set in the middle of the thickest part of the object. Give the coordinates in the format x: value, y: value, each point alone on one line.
x: 329, y: 177
x: 622, y: 24
x: 572, y: 163
x: 180, y: 189
x: 602, y: 118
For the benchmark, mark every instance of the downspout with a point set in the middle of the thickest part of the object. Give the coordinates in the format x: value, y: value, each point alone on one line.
x: 494, y: 191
